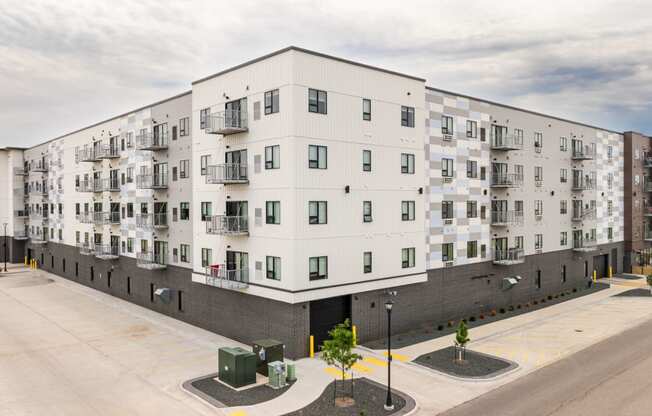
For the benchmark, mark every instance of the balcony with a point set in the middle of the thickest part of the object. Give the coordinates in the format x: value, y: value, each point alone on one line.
x: 217, y: 275
x: 85, y: 218
x: 151, y: 261
x: 647, y: 211
x: 152, y: 221
x: 38, y: 238
x: 159, y: 181
x: 20, y: 171
x: 582, y: 152
x: 506, y: 142
x: 648, y: 235
x: 585, y: 244
x: 107, y: 151
x: 106, y: 218
x: 107, y: 251
x: 506, y: 180
x: 109, y: 185
x: 85, y: 186
x: 227, y: 122
x: 39, y: 167
x: 509, y: 257
x: 583, y: 214
x: 227, y: 173
x: 505, y: 218
x: 151, y: 141
x: 20, y: 235
x: 647, y: 187
x: 86, y: 249
x: 583, y: 184
x: 87, y: 155
x: 21, y: 214
x: 227, y: 225
x: 647, y: 160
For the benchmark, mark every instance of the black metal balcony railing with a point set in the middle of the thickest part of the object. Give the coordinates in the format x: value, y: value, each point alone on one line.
x: 227, y: 225
x: 217, y: 275
x: 109, y: 185
x: 583, y: 152
x: 647, y: 186
x: 86, y: 249
x: 20, y: 171
x: 506, y: 180
x: 152, y: 141
x: 159, y: 181
x: 227, y: 122
x: 38, y: 238
x: 21, y: 214
x: 107, y: 151
x: 105, y: 218
x: 583, y: 184
x: 509, y: 256
x: 107, y: 251
x: 85, y: 186
x: 584, y: 244
x: 39, y: 167
x: 648, y: 235
x: 504, y: 218
x: 87, y: 155
x: 151, y: 261
x: 227, y: 173
x: 506, y: 142
x: 583, y: 214
x: 85, y: 217
x: 152, y: 221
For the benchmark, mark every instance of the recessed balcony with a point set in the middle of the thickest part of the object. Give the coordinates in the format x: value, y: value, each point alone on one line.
x: 219, y: 276
x: 106, y: 218
x: 227, y: 173
x: 582, y: 152
x: 647, y: 186
x: 506, y: 218
x: 151, y: 261
x: 38, y: 238
x: 87, y: 155
x: 583, y: 184
x: 39, y: 167
x: 585, y: 244
x: 108, y: 185
x: 227, y: 122
x: 85, y: 186
x: 506, y: 142
x: 107, y: 251
x: 152, y: 221
x: 584, y: 214
x: 506, y: 180
x: 647, y: 211
x: 509, y: 257
x: 20, y: 171
x: 152, y: 141
x: 107, y: 151
x: 159, y: 181
x: 227, y: 225
x: 85, y: 217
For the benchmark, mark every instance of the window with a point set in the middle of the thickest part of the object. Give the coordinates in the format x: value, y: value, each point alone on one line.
x: 610, y: 152
x: 563, y: 144
x: 183, y: 249
x: 273, y: 268
x: 563, y: 238
x: 206, y: 257
x: 366, y: 262
x: 537, y: 280
x: 446, y: 125
x: 538, y: 175
x: 538, y: 207
x: 130, y: 210
x: 407, y: 116
x: 563, y: 273
x: 317, y: 101
x: 610, y: 180
x: 538, y: 142
x: 366, y: 160
x: 471, y: 249
x: 407, y: 258
x: 610, y: 233
x: 407, y: 163
x: 130, y: 175
x: 203, y: 117
x: 471, y: 169
x: 563, y: 175
x: 518, y: 170
x: 204, y: 162
x: 447, y: 168
x: 407, y: 210
x: 563, y: 206
x: 317, y: 212
x: 184, y: 126
x: 366, y: 211
x: 471, y: 129
x: 366, y: 109
x: 130, y: 245
x: 273, y: 212
x: 317, y: 156
x: 447, y: 209
x: 538, y: 241
x: 206, y: 211
x: 271, y: 102
x: 273, y: 157
x: 184, y: 210
x: 184, y: 168
x: 518, y: 242
x: 318, y: 268
x: 471, y: 209
x: 447, y: 252
x: 610, y: 207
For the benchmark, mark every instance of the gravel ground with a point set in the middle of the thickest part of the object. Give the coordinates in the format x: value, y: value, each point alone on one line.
x: 433, y: 330
x: 229, y: 397
x: 640, y: 292
x: 477, y: 365
x: 369, y: 401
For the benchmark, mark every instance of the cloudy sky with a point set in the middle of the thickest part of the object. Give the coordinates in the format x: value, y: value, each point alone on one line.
x: 65, y: 64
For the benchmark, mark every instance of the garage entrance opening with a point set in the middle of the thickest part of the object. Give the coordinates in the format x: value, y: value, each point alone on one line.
x: 325, y: 314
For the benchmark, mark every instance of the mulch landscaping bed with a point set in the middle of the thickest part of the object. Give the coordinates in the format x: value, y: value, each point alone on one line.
x: 432, y: 330
x: 229, y: 397
x: 477, y: 365
x: 638, y: 293
x: 369, y: 401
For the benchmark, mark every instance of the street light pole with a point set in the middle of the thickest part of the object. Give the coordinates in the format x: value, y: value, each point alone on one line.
x: 388, y: 403
x: 5, y: 226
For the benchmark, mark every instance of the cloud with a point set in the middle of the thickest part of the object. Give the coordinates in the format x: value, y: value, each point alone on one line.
x: 70, y: 63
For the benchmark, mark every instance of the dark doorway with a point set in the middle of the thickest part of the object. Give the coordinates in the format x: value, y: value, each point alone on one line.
x: 29, y: 254
x: 601, y: 265
x: 325, y: 314
x: 614, y: 261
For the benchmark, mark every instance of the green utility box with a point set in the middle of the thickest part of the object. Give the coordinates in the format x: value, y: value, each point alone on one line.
x: 267, y: 351
x: 237, y: 366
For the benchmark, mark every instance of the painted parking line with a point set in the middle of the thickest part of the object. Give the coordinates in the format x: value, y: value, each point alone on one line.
x: 238, y: 413
x: 375, y: 361
x: 361, y: 368
x: 398, y: 357
x: 336, y: 373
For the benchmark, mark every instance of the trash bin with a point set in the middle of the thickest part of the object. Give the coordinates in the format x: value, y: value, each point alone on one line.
x: 236, y: 366
x: 267, y: 351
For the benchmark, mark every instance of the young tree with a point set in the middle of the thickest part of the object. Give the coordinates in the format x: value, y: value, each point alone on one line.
x: 461, y: 339
x: 337, y: 351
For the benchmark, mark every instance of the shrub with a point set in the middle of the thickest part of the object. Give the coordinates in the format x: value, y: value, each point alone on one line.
x: 450, y: 323
x: 472, y: 319
x: 493, y: 312
x: 481, y: 316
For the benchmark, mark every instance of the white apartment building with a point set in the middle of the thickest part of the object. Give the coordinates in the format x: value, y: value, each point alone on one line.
x: 281, y: 196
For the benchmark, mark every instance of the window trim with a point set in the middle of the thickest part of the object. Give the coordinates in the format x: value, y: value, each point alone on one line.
x: 314, y: 107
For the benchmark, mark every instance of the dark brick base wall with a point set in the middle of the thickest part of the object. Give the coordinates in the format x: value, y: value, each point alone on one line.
x: 229, y: 313
x: 463, y: 291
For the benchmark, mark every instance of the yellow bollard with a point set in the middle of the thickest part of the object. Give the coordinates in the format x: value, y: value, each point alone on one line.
x: 312, y: 346
x: 355, y: 335
x: 25, y: 260
x: 610, y: 272
x: 595, y: 276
